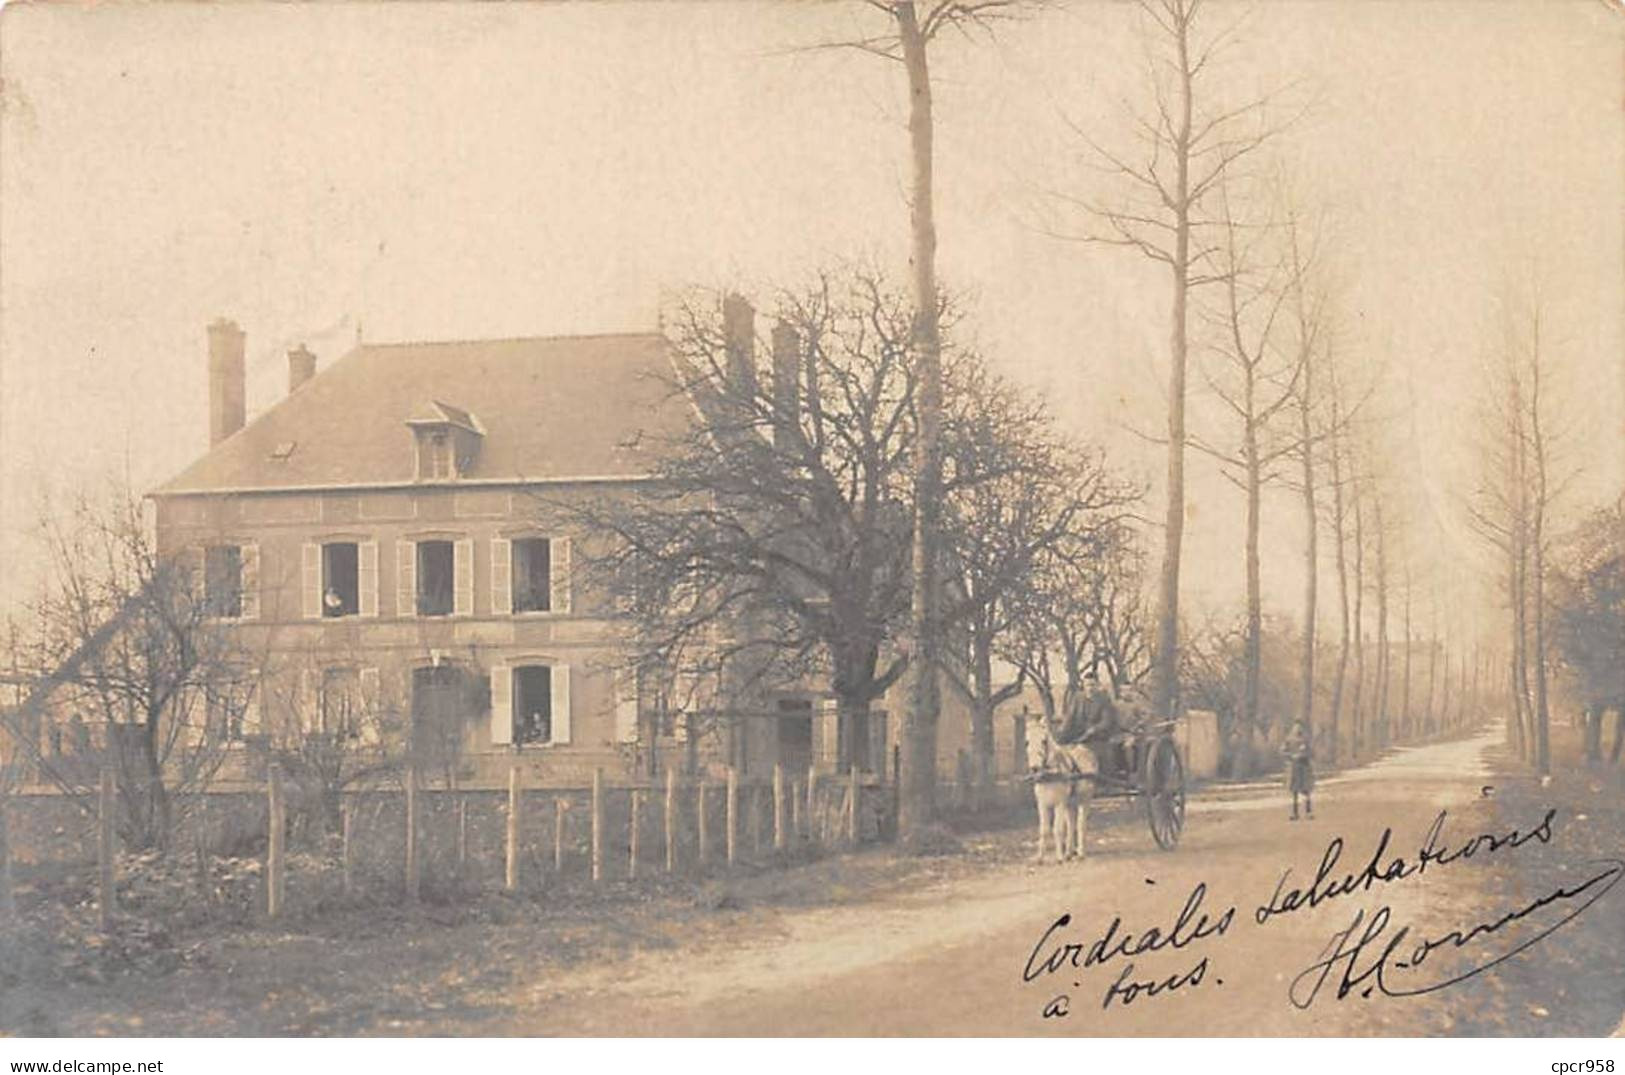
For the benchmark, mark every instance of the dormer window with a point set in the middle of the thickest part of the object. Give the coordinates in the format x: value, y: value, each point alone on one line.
x: 447, y: 441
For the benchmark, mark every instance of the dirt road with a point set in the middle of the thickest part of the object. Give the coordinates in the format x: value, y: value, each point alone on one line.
x: 950, y: 958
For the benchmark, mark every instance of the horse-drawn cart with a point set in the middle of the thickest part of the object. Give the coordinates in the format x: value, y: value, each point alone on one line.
x: 1126, y: 754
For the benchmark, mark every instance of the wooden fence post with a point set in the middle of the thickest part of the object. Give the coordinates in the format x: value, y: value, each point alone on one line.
x: 105, y: 846
x: 200, y: 849
x: 852, y: 793
x: 632, y: 849
x: 561, y: 807
x: 780, y: 837
x: 733, y: 813
x: 756, y: 820
x: 812, y: 803
x: 8, y: 900
x: 413, y: 876
x: 671, y: 820
x: 273, y: 844
x: 704, y: 832
x: 347, y: 845
x: 510, y: 843
x: 597, y: 825
x: 462, y: 834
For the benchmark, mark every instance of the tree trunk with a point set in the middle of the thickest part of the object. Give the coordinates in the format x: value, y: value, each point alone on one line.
x: 1407, y: 727
x: 1339, y: 539
x: 1593, y: 732
x: 1255, y: 614
x: 982, y: 708
x: 1543, y: 758
x: 1384, y: 658
x: 916, y: 805
x: 1165, y: 670
x: 1306, y: 661
x: 1357, y: 731
x: 1433, y: 669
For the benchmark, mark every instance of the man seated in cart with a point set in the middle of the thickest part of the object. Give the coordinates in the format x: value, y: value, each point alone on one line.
x: 1111, y: 722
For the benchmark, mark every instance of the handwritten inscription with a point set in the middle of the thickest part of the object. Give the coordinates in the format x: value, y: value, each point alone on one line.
x: 1372, y: 954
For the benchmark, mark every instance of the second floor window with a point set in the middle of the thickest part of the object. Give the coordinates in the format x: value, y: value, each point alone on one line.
x: 341, y: 581
x: 436, y: 571
x: 223, y: 581
x: 532, y: 575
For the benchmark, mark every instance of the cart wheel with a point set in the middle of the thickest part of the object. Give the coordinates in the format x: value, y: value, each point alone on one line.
x: 1165, y: 793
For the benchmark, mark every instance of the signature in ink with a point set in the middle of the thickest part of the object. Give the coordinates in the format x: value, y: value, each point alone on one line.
x: 1367, y: 956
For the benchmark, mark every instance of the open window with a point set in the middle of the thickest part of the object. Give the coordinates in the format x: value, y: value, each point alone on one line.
x: 533, y: 704
x: 436, y: 578
x: 341, y: 579
x: 223, y: 581
x: 532, y: 575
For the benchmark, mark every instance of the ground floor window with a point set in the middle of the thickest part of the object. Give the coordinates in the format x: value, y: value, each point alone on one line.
x: 533, y: 704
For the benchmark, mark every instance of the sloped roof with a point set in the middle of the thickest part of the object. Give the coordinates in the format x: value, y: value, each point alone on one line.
x: 551, y: 409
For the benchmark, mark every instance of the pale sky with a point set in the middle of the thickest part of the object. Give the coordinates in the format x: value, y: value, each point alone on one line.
x: 440, y: 171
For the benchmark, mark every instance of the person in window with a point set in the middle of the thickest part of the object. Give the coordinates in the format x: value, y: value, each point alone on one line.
x: 1300, y: 772
x: 535, y: 728
x: 332, y: 602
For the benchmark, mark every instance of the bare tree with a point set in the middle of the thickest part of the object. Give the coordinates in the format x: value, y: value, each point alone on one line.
x: 911, y: 29
x: 1188, y: 143
x: 774, y: 542
x: 1082, y: 619
x: 131, y: 643
x: 1045, y: 499
x: 1259, y: 378
x: 1511, y: 504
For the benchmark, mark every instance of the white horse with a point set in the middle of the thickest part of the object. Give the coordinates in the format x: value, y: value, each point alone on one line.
x: 1062, y: 787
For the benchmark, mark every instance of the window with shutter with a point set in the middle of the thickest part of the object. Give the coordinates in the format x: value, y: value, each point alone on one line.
x: 311, y: 583
x: 502, y: 728
x: 463, y: 571
x: 406, y: 586
x: 561, y: 703
x: 251, y: 582
x: 367, y: 578
x: 626, y: 708
x: 501, y: 577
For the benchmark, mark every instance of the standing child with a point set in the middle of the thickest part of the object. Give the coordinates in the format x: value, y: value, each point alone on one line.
x: 1300, y: 773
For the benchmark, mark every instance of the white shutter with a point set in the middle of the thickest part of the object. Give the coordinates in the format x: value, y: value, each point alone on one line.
x: 251, y: 705
x: 827, y: 749
x: 559, y: 561
x: 501, y: 705
x: 561, y: 703
x: 371, y: 706
x: 195, y: 562
x: 311, y: 590
x: 626, y: 709
x: 251, y: 581
x: 406, y: 578
x: 367, y: 560
x: 501, y: 577
x: 463, y: 578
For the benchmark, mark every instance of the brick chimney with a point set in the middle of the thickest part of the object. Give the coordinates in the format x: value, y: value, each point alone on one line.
x: 739, y: 337
x: 301, y: 367
x: 227, y: 405
x: 786, y: 383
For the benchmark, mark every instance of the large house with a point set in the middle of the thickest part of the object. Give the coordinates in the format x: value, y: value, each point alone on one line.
x: 374, y: 537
